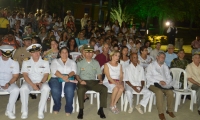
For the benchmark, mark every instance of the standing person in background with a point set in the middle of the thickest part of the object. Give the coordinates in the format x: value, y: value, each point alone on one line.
x: 84, y: 20
x: 67, y: 18
x: 172, y: 31
x: 148, y: 45
x: 124, y: 58
x: 132, y: 31
x: 142, y: 32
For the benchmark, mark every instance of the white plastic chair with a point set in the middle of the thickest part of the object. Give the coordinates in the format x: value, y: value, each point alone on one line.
x: 62, y: 95
x: 75, y: 55
x: 4, y: 92
x: 91, y: 92
x: 176, y: 72
x: 33, y: 92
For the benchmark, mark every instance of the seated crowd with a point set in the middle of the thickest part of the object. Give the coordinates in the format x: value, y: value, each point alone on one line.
x: 109, y: 62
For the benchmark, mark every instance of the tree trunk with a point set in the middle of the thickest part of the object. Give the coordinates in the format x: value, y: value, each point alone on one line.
x: 191, y: 23
x: 161, y: 23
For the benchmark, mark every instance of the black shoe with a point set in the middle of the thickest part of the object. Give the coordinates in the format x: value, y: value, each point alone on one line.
x: 80, y: 114
x: 87, y: 98
x: 199, y: 112
x: 101, y: 113
x: 33, y: 96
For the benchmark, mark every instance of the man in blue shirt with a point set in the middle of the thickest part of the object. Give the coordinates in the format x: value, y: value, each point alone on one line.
x: 170, y: 55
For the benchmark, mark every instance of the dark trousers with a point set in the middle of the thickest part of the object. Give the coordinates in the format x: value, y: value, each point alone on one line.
x: 92, y: 85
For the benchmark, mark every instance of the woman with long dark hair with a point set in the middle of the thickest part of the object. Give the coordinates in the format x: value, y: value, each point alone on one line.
x: 71, y: 45
x: 63, y: 69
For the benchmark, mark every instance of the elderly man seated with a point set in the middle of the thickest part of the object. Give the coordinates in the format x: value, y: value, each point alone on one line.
x: 35, y: 71
x: 159, y: 81
x: 135, y: 81
x: 193, y: 74
x: 9, y: 72
x: 195, y: 45
x: 170, y: 55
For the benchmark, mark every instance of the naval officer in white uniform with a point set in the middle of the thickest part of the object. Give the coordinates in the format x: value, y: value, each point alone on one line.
x: 9, y: 72
x: 35, y: 71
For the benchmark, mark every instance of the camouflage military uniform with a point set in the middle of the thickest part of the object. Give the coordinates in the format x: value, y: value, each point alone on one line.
x: 177, y: 63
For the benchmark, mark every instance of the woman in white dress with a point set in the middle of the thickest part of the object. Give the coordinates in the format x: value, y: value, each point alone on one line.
x: 144, y: 58
x: 113, y: 79
x: 116, y: 27
x: 124, y: 59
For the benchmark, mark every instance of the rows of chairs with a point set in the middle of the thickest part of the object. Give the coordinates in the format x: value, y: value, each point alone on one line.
x: 176, y: 73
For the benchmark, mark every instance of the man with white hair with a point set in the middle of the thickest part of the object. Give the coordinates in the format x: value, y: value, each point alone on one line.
x: 9, y: 72
x: 35, y: 71
x: 159, y: 82
x: 170, y: 55
x: 193, y: 75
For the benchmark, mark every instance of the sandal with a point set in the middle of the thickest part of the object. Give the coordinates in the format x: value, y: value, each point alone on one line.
x: 117, y: 110
x: 113, y: 110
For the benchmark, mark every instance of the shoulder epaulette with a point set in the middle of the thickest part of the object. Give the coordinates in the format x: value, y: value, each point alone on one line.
x: 25, y: 59
x: 45, y: 59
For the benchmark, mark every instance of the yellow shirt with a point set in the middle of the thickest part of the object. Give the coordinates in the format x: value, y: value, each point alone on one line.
x: 3, y: 23
x: 193, y: 72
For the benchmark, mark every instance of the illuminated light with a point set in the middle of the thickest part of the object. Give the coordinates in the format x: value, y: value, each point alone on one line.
x: 147, y: 32
x: 167, y: 23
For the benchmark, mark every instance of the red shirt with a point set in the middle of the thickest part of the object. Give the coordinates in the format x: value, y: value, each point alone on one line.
x: 101, y: 58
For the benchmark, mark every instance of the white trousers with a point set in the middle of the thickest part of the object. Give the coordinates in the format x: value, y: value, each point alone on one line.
x: 146, y: 95
x: 24, y: 94
x: 13, y: 89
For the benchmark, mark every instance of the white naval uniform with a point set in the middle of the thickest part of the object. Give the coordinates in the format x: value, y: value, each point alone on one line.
x: 36, y: 71
x: 135, y: 75
x: 7, y: 69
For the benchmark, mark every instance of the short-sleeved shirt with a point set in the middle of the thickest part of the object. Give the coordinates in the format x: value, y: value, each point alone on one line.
x: 7, y: 69
x: 88, y: 70
x: 169, y: 58
x: 35, y: 70
x: 58, y: 65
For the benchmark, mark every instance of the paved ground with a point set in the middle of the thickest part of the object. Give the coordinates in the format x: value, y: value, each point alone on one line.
x: 90, y: 112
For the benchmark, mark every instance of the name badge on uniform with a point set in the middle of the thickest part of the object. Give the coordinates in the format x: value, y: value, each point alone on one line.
x: 28, y: 66
x: 41, y: 67
x: 11, y: 66
x: 82, y: 69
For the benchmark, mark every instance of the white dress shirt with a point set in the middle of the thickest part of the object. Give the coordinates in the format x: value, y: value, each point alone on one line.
x: 58, y: 65
x: 134, y: 74
x: 156, y: 73
x: 35, y: 70
x: 7, y: 69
